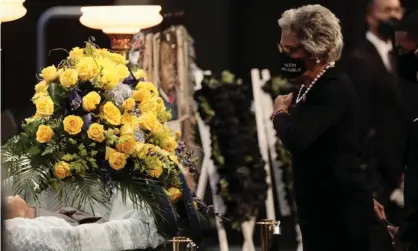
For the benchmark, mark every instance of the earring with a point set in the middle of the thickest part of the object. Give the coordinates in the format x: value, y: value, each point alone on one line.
x: 317, y: 61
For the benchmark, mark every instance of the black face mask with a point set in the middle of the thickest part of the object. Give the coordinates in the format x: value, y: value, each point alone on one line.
x: 291, y: 68
x: 386, y: 28
x: 407, y: 67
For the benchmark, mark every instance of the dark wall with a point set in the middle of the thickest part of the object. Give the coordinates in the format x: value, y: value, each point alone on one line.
x: 243, y: 34
x: 18, y: 42
x: 229, y: 34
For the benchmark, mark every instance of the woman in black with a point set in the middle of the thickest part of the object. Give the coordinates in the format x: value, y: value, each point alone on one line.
x: 321, y: 131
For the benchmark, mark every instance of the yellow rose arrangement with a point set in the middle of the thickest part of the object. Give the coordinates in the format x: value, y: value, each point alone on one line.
x: 92, y: 131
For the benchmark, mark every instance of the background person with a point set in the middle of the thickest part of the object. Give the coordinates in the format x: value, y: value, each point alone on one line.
x: 372, y: 69
x: 406, y: 41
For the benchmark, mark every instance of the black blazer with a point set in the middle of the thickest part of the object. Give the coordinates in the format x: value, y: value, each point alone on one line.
x: 334, y: 205
x: 409, y: 228
x: 322, y: 135
x: 383, y: 119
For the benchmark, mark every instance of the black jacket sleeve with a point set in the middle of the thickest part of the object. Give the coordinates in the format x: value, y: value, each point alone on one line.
x: 298, y: 131
x: 409, y: 228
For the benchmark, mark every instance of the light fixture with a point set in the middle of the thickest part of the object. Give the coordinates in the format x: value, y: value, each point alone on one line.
x: 121, y: 22
x: 11, y: 10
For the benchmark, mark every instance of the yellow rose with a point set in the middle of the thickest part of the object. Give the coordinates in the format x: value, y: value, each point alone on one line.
x: 90, y: 101
x: 126, y: 144
x: 87, y: 68
x: 174, y: 194
x: 109, y: 79
x: 39, y: 95
x: 49, y: 73
x: 44, y: 106
x: 73, y: 124
x: 41, y: 87
x: 157, y: 129
x: 117, y: 160
x: 155, y: 171
x: 147, y: 121
x: 126, y: 129
x: 149, y: 87
x: 76, y: 53
x: 169, y: 144
x: 44, y: 134
x: 109, y: 151
x: 128, y: 119
x: 111, y: 113
x: 149, y: 105
x: 69, y: 78
x: 96, y: 132
x: 140, y: 74
x: 123, y: 72
x: 62, y: 170
x: 141, y: 95
x: 129, y: 104
x: 117, y: 58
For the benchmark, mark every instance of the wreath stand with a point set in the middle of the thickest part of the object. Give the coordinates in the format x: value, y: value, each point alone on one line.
x: 263, y: 107
x: 209, y: 172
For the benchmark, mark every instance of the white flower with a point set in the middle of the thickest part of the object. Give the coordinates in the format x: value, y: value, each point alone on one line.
x: 120, y: 93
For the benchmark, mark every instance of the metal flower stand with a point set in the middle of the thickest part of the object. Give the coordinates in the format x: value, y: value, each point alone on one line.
x: 268, y: 229
x: 183, y: 244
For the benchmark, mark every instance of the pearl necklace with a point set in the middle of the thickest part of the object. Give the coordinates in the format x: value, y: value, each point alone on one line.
x: 301, y: 96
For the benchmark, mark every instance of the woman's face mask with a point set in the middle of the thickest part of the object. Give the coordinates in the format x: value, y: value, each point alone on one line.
x: 407, y: 66
x: 291, y: 68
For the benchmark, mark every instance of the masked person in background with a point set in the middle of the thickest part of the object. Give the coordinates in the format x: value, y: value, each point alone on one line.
x: 406, y: 41
x: 371, y: 67
x: 321, y: 131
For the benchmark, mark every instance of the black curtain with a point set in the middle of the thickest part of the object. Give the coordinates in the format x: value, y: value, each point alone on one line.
x: 243, y: 34
x: 18, y: 55
x: 229, y: 34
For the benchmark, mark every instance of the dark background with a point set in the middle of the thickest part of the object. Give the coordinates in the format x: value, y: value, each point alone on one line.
x: 229, y: 34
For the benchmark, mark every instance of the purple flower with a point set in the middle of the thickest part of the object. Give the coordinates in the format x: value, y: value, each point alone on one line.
x: 76, y: 99
x: 87, y: 121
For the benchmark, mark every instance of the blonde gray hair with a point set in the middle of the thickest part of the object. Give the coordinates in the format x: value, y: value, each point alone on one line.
x: 317, y: 29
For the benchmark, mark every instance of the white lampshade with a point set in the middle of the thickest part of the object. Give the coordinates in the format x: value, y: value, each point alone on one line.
x: 11, y: 10
x: 128, y: 19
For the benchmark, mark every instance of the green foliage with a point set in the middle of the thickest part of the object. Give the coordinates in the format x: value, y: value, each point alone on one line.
x: 57, y: 93
x: 87, y: 190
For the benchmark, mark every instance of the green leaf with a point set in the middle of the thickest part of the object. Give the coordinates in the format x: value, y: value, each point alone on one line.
x: 50, y: 148
x: 31, y: 128
x: 56, y: 92
x: 85, y: 192
x: 34, y: 150
x: 24, y: 177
